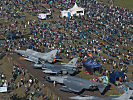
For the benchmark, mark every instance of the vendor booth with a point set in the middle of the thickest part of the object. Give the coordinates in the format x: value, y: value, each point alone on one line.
x: 45, y: 14
x: 78, y: 11
x: 65, y: 13
x: 91, y: 66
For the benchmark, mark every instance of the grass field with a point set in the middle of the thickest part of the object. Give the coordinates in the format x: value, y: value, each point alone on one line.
x: 122, y: 3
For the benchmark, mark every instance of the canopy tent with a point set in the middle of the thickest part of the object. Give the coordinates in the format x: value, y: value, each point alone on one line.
x: 45, y: 14
x: 76, y: 10
x: 116, y: 75
x: 42, y: 16
x: 65, y: 13
x: 73, y: 11
x: 91, y: 66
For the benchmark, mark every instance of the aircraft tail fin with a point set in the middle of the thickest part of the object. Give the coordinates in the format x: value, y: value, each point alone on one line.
x: 101, y: 88
x: 50, y: 56
x: 72, y: 62
x: 53, y: 53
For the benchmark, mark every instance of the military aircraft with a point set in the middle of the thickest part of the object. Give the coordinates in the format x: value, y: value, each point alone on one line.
x: 125, y: 96
x: 76, y: 84
x: 69, y: 68
x: 36, y: 57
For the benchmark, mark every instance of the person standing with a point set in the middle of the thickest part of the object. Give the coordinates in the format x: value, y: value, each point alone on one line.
x: 54, y: 83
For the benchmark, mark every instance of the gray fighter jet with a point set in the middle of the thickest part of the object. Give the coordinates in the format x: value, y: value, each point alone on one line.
x: 125, y: 96
x: 69, y: 68
x: 76, y: 84
x: 35, y: 56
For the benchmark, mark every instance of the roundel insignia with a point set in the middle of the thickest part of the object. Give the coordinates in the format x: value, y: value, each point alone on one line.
x: 94, y: 63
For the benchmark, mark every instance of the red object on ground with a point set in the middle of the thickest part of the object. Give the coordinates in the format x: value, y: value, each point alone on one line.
x: 21, y: 58
x: 87, y: 72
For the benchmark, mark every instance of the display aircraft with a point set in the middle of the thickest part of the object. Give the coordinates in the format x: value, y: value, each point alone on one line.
x: 76, y: 84
x: 36, y: 57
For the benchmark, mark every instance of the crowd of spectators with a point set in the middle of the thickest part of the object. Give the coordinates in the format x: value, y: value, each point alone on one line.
x: 104, y: 33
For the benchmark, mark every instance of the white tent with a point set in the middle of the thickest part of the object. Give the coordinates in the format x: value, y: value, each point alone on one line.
x: 65, y: 13
x: 44, y: 15
x: 76, y: 10
x: 73, y: 11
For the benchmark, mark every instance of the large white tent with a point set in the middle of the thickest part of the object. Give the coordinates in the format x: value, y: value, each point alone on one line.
x: 76, y: 10
x: 65, y: 13
x: 73, y: 11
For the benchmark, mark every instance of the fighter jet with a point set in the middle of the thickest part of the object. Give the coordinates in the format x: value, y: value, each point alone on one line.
x: 69, y: 68
x: 35, y: 56
x: 75, y: 84
x: 125, y: 96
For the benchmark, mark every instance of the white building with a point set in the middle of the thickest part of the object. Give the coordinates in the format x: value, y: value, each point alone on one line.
x: 73, y: 11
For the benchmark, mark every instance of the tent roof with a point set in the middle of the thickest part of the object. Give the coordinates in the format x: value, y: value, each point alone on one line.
x: 75, y: 8
x: 91, y: 63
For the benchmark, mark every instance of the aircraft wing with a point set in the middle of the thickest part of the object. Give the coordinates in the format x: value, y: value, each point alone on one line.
x: 33, y: 59
x: 71, y: 86
x: 51, y: 70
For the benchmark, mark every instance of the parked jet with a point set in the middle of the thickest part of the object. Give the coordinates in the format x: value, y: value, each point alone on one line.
x: 69, y: 68
x: 35, y: 56
x: 75, y: 84
x: 125, y: 96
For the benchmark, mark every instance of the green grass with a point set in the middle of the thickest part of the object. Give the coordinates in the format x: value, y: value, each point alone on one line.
x: 2, y: 20
x: 122, y: 3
